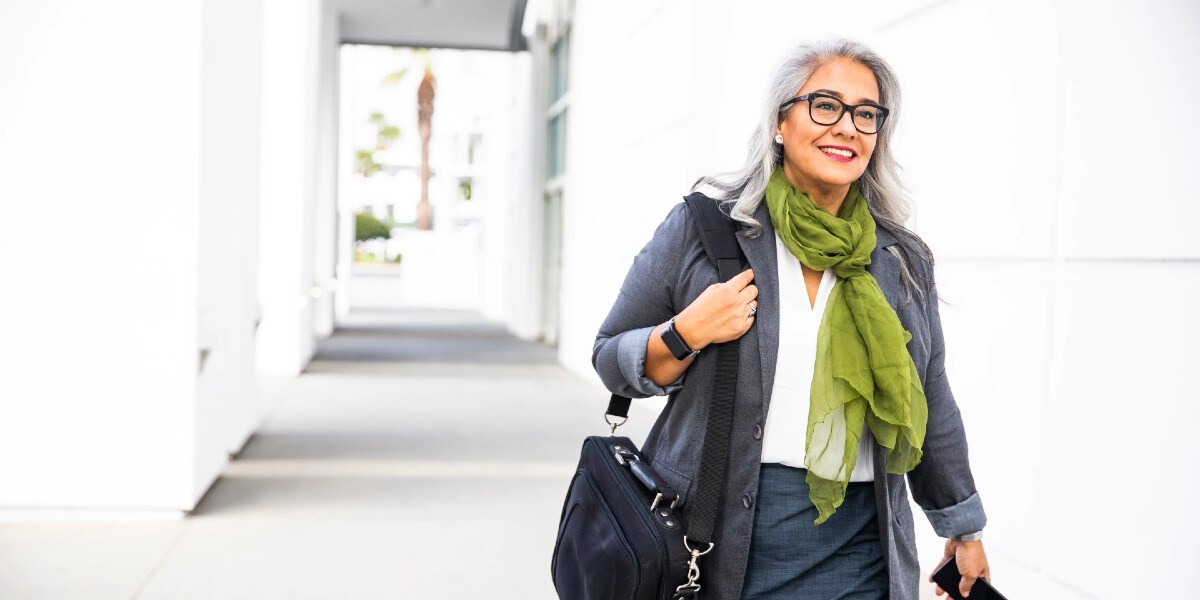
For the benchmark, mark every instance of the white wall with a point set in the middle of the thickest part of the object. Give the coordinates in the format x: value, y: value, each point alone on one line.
x: 1062, y: 227
x: 1079, y: 284
x: 226, y: 410
x: 100, y: 141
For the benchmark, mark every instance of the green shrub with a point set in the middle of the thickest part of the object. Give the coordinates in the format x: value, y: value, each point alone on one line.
x: 367, y: 227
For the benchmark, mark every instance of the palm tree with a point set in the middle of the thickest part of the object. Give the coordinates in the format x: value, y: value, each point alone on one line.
x: 425, y: 94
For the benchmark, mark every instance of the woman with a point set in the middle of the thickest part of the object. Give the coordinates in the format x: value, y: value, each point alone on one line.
x: 842, y: 388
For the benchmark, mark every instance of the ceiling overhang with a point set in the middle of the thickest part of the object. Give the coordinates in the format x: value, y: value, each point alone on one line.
x: 462, y: 24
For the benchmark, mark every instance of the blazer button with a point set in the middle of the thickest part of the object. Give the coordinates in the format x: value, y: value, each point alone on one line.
x: 757, y: 431
x: 747, y: 501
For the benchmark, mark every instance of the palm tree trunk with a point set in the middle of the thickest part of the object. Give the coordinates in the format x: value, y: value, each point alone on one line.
x: 425, y: 127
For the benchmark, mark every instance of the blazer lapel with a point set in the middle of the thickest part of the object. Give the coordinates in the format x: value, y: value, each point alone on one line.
x: 884, y: 267
x: 760, y: 252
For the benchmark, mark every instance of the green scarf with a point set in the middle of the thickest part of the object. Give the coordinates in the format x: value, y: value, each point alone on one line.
x: 863, y: 370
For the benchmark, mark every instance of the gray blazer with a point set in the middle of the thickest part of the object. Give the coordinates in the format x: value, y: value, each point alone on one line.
x: 666, y: 276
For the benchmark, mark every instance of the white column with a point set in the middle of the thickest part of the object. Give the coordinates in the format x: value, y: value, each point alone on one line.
x: 290, y: 134
x: 100, y: 130
x: 225, y: 412
x: 326, y: 241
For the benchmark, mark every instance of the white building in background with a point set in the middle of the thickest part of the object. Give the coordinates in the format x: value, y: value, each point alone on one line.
x: 129, y: 374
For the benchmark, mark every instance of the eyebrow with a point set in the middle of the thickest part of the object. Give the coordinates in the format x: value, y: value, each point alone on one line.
x: 839, y: 96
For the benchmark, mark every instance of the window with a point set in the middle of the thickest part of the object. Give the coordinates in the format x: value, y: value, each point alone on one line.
x: 558, y: 67
x: 556, y: 129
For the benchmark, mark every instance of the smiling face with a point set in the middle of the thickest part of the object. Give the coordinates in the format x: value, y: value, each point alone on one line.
x: 825, y: 159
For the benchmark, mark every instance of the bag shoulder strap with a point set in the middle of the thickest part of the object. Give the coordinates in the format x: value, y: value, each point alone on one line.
x: 718, y: 232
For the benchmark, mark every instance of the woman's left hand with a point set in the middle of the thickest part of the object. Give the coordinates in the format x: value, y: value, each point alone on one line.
x: 972, y: 563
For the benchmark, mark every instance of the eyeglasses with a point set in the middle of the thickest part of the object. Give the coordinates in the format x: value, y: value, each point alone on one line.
x: 824, y: 109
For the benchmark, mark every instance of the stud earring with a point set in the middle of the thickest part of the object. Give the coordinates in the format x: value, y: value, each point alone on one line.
x: 778, y: 139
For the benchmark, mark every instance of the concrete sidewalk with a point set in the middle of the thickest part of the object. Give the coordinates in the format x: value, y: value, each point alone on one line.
x: 423, y: 454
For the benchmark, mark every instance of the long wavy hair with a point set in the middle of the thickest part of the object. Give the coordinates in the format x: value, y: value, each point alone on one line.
x: 742, y: 191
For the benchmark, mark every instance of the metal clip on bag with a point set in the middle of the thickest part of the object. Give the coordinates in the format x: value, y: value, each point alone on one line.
x: 622, y: 533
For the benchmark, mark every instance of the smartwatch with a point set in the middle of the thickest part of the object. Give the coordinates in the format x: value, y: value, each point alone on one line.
x: 675, y: 342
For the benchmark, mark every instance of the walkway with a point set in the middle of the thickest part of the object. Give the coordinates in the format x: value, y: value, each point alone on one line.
x: 422, y: 455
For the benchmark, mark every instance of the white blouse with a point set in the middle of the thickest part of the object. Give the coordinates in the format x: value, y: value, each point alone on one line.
x: 787, y: 417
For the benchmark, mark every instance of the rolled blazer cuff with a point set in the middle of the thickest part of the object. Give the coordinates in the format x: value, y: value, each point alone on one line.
x: 631, y: 357
x: 962, y: 518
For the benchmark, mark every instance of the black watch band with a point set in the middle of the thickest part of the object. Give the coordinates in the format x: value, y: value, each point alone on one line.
x: 675, y: 343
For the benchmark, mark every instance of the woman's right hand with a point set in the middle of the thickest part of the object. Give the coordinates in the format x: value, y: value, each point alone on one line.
x: 721, y: 313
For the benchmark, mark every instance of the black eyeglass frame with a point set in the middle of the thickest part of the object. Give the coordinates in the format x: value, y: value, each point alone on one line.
x: 883, y: 115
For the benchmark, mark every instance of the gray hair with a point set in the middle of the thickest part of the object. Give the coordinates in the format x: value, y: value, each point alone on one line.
x: 743, y: 190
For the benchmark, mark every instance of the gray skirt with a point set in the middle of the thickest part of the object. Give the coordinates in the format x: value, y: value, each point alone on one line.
x: 840, y: 559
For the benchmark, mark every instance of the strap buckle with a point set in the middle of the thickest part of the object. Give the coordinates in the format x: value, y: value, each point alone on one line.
x: 692, y: 587
x: 623, y: 456
x: 658, y: 499
x: 613, y: 426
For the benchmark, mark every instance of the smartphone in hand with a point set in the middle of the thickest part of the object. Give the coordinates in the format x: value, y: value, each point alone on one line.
x: 947, y: 577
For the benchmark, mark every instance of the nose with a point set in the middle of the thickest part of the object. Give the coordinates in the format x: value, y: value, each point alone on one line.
x: 845, y: 124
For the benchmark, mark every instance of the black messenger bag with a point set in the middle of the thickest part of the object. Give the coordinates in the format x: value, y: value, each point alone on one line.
x: 622, y: 534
